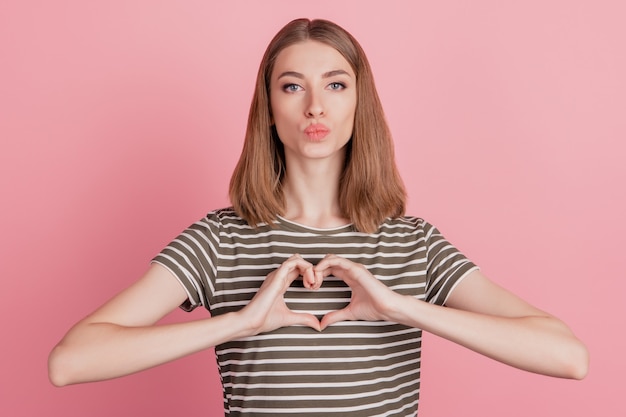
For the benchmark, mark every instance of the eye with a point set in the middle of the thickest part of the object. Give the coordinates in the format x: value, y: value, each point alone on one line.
x: 336, y: 86
x: 291, y: 88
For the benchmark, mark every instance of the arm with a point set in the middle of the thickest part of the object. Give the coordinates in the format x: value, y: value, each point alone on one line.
x: 479, y: 315
x: 490, y: 320
x: 121, y: 337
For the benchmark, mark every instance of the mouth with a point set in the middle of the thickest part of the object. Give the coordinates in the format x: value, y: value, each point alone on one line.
x: 316, y: 131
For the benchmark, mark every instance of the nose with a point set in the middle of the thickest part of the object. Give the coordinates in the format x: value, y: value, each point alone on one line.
x: 315, y: 107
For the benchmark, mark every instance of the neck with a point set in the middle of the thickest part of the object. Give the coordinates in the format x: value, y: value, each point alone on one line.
x: 311, y: 192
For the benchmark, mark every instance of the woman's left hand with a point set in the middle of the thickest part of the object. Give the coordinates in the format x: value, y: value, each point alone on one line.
x: 371, y: 299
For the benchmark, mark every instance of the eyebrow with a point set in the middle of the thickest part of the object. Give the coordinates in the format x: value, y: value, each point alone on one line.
x: 324, y: 75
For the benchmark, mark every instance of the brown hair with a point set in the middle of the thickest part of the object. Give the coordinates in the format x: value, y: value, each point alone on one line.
x: 370, y: 188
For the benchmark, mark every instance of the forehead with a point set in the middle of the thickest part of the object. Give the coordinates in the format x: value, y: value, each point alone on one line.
x: 308, y: 58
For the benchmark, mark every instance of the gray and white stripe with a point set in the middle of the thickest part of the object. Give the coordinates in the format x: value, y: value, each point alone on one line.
x: 351, y: 368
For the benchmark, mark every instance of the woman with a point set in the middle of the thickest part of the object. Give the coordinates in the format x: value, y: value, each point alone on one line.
x: 318, y: 285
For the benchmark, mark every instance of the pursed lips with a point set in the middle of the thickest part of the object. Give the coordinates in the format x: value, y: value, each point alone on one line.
x: 316, y: 131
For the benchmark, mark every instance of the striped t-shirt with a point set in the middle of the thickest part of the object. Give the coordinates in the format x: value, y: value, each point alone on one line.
x: 354, y: 368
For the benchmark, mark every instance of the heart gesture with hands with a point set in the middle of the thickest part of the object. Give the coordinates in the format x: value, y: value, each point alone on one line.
x: 371, y: 299
x: 267, y: 311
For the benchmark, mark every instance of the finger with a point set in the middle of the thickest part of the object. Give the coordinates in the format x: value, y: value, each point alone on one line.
x: 293, y: 267
x: 312, y: 279
x: 324, y: 266
x: 337, y: 266
x: 319, y: 279
x: 335, y: 317
x: 308, y: 278
x: 332, y: 261
x: 304, y: 319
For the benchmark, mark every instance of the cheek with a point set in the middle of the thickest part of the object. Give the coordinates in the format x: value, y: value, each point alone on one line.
x: 349, y: 107
x: 282, y: 111
x: 350, y: 114
x: 350, y: 121
x: 281, y: 121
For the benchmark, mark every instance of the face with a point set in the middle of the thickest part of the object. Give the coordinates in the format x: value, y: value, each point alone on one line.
x: 313, y: 100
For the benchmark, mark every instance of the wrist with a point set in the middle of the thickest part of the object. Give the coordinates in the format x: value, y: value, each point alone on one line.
x: 400, y: 308
x: 240, y: 325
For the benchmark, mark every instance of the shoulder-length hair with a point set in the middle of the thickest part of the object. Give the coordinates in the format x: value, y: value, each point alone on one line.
x: 370, y: 187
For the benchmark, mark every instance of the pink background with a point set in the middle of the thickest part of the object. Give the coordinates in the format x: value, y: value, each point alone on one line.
x: 120, y: 123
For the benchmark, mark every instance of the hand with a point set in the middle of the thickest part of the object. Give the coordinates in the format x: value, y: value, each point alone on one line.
x: 267, y: 310
x: 371, y: 299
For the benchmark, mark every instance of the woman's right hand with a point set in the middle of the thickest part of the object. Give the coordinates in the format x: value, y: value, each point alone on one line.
x: 123, y: 337
x: 268, y: 311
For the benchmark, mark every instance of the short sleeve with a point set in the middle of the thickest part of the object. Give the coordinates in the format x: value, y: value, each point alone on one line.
x: 446, y: 266
x: 192, y: 258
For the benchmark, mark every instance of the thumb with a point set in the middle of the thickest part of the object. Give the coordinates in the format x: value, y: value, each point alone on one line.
x: 304, y: 319
x: 335, y: 317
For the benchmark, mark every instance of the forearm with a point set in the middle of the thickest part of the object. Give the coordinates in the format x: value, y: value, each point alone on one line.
x: 540, y: 344
x: 99, y: 351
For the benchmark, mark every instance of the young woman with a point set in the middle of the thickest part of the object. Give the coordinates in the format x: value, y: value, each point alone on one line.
x: 318, y: 285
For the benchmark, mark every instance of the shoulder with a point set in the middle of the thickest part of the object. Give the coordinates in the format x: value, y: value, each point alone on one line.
x: 406, y: 224
x: 403, y: 230
x: 226, y: 221
x: 222, y: 217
